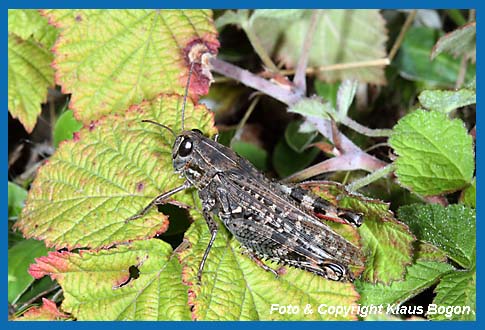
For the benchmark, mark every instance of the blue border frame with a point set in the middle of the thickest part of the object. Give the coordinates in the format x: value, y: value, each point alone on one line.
x: 6, y: 4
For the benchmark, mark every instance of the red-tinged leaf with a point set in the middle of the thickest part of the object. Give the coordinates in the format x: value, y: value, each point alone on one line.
x: 233, y: 287
x: 48, y: 311
x: 111, y: 59
x: 112, y: 169
x: 136, y: 281
x: 51, y: 265
x: 386, y: 242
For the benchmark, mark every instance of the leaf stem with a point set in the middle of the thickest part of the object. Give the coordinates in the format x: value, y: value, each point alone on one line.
x: 379, y: 132
x: 374, y: 176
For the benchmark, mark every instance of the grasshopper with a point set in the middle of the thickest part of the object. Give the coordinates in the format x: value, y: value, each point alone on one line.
x: 271, y: 220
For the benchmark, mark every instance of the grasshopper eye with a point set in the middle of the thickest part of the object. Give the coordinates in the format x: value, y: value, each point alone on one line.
x: 185, y: 147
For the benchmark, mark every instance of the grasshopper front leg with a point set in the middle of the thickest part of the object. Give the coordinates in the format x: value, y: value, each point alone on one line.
x: 159, y: 200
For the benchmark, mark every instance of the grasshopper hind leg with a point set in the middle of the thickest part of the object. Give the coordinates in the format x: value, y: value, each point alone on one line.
x: 317, y: 205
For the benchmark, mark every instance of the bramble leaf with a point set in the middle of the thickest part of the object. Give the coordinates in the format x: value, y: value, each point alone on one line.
x: 111, y: 170
x: 452, y: 229
x: 435, y: 153
x: 456, y: 289
x: 422, y: 274
x: 446, y: 101
x: 233, y: 287
x: 111, y: 59
x: 386, y: 242
x: 341, y: 36
x: 137, y: 281
x: 29, y: 75
x: 468, y: 196
x: 413, y: 60
x: 461, y: 41
x: 29, y: 24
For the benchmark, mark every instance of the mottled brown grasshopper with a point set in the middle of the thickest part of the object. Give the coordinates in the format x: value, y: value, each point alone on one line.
x: 271, y: 220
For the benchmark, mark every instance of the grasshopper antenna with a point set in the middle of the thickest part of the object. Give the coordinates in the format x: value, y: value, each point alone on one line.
x: 161, y: 125
x: 186, y: 92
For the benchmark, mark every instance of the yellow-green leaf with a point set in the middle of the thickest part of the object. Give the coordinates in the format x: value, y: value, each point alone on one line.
x: 111, y: 59
x: 233, y: 287
x: 29, y: 75
x: 110, y: 170
x: 29, y: 23
x: 137, y: 281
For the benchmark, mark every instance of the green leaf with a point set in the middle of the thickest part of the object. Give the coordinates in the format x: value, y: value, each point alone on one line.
x: 345, y: 96
x: 238, y: 17
x: 29, y: 23
x: 446, y: 101
x: 341, y: 36
x: 421, y: 275
x: 461, y: 41
x: 386, y: 242
x: 236, y: 288
x: 327, y: 91
x: 66, y: 126
x: 286, y: 161
x: 452, y: 229
x: 136, y: 281
x: 255, y: 154
x: 456, y: 294
x: 312, y: 107
x: 29, y: 75
x: 435, y: 153
x: 297, y: 140
x: 16, y: 199
x: 20, y: 256
x: 150, y: 48
x: 468, y: 195
x: 110, y: 170
x: 413, y: 60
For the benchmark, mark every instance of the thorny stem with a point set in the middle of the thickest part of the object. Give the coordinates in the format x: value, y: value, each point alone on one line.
x: 402, y: 33
x: 300, y: 77
x: 345, y: 162
x: 374, y: 176
x: 249, y: 79
x: 352, y: 157
x: 380, y: 132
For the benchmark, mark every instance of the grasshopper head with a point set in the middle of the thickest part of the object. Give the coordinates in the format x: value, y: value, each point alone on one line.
x: 186, y: 156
